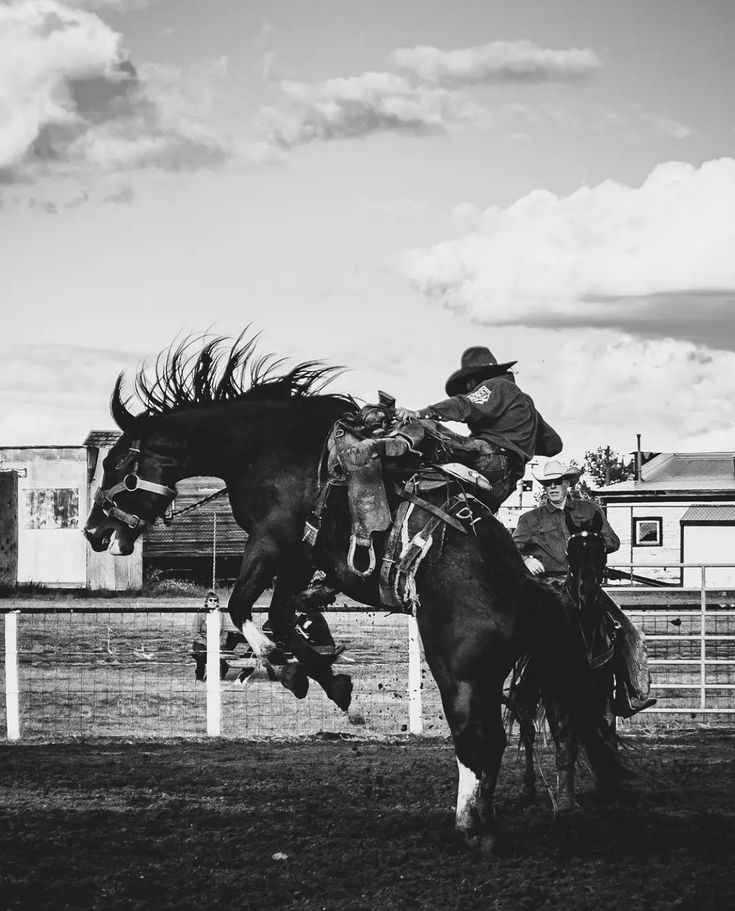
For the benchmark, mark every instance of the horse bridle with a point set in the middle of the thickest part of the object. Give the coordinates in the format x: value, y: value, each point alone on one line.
x: 105, y: 499
x: 583, y: 534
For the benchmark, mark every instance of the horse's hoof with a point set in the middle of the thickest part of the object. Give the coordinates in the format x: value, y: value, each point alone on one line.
x: 483, y: 843
x: 294, y: 678
x: 340, y: 691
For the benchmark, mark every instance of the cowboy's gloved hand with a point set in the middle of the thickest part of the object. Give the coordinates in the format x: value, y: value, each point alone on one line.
x: 534, y: 565
x: 405, y: 414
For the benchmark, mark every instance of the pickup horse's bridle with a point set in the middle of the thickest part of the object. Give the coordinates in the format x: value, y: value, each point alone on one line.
x: 582, y: 535
x: 105, y: 499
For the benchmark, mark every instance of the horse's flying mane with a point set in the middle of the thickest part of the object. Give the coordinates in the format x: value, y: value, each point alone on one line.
x: 200, y: 371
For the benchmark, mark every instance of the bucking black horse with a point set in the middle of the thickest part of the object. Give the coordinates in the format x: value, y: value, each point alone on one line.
x: 221, y: 411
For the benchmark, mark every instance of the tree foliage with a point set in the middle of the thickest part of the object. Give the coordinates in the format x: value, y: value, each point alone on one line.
x: 604, y: 466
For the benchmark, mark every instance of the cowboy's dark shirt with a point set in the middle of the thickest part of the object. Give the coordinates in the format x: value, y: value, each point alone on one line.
x: 498, y: 411
x: 543, y: 533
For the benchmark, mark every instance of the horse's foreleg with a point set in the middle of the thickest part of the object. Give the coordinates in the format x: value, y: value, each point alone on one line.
x: 479, y: 740
x: 259, y: 566
x: 567, y: 747
x: 291, y: 581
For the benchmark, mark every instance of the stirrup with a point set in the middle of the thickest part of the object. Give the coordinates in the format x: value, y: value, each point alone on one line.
x: 365, y: 543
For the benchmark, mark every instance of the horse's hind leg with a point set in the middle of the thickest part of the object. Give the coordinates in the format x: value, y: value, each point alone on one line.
x: 528, y: 738
x: 523, y: 700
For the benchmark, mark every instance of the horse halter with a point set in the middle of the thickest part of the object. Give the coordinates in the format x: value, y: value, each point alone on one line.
x: 105, y: 499
x: 584, y: 534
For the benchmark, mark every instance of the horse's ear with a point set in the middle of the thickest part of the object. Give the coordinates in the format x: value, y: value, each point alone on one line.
x: 573, y: 529
x: 596, y: 523
x: 120, y: 414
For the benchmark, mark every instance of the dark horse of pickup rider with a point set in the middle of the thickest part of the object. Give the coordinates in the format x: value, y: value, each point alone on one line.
x: 542, y: 536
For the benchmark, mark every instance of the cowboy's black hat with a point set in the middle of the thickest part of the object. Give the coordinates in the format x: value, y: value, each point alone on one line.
x: 478, y: 363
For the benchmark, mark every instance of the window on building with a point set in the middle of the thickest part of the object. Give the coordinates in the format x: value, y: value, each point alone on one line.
x: 54, y: 507
x: 526, y: 486
x: 647, y: 531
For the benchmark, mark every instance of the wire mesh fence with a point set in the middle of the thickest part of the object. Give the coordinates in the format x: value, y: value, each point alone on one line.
x: 108, y: 672
x: 127, y: 671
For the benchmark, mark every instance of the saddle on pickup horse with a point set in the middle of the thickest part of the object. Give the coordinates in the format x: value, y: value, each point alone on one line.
x: 404, y: 486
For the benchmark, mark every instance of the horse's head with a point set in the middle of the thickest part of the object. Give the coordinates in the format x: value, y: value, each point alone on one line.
x: 587, y: 559
x: 138, y: 481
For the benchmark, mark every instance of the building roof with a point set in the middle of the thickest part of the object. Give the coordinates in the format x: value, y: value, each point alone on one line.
x: 102, y: 439
x: 680, y: 472
x: 709, y: 512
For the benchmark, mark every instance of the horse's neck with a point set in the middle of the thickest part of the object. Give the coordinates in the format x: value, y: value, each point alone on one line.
x: 227, y: 440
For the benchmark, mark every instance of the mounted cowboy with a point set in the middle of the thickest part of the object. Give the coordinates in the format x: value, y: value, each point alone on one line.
x: 506, y: 429
x: 541, y: 537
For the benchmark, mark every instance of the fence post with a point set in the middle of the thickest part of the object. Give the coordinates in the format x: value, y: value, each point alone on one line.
x: 214, y: 701
x: 11, y: 675
x: 415, y: 713
x: 703, y: 642
x: 214, y: 550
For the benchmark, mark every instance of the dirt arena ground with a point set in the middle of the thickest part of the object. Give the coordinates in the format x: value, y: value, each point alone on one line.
x: 346, y: 824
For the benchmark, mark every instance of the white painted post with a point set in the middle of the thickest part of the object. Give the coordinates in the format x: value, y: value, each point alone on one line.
x: 214, y: 551
x: 703, y: 642
x: 214, y: 700
x: 11, y: 675
x: 415, y: 713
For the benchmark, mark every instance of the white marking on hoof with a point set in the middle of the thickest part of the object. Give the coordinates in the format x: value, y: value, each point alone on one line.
x: 258, y: 641
x: 469, y: 798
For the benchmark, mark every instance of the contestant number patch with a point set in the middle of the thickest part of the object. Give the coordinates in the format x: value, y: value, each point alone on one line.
x: 480, y: 395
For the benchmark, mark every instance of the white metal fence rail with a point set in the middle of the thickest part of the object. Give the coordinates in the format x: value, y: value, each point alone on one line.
x: 691, y: 652
x: 703, y: 662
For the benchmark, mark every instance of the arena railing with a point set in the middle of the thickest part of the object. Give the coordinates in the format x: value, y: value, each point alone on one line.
x: 701, y: 644
x: 104, y: 670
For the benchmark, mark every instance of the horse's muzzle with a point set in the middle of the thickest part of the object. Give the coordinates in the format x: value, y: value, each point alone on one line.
x: 98, y: 541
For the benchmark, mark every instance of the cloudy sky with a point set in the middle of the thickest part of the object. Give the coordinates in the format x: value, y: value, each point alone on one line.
x: 378, y: 185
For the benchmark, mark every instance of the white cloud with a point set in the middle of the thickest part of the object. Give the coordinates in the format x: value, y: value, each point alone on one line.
x: 359, y: 105
x: 607, y: 256
x: 677, y: 394
x: 495, y: 62
x: 665, y: 126
x: 423, y: 99
x: 70, y: 99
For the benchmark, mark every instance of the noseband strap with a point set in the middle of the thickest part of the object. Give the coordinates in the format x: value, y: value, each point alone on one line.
x: 106, y: 498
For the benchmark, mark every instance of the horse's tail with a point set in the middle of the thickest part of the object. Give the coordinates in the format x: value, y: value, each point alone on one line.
x: 555, y: 673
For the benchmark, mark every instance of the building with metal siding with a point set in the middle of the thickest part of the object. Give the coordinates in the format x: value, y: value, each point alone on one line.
x: 201, y: 538
x: 680, y: 508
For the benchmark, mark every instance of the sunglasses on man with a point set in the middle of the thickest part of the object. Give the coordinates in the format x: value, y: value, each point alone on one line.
x: 557, y: 483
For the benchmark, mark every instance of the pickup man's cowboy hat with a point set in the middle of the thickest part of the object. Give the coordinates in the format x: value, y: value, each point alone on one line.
x: 477, y: 363
x: 557, y: 471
